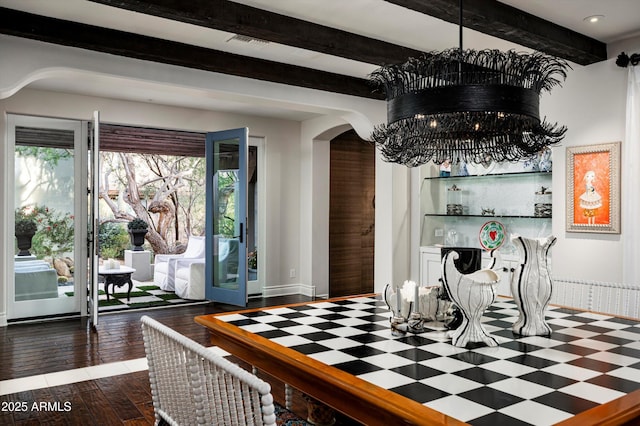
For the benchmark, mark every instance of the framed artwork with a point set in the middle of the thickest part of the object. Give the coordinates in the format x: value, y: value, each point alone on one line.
x: 593, y: 188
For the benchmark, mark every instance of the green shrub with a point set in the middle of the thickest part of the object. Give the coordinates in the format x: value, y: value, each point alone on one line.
x: 113, y: 240
x: 26, y: 227
x: 137, y: 224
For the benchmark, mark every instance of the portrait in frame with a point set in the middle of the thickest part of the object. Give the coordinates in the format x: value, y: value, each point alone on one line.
x: 593, y: 188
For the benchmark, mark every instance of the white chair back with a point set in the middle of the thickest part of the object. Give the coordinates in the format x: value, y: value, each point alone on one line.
x: 195, y: 248
x: 190, y: 385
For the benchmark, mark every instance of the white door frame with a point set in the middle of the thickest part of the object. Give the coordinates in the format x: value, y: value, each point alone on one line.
x: 59, y: 306
x: 256, y: 287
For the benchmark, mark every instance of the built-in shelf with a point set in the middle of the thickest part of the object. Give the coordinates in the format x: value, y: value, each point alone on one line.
x: 452, y: 207
x: 491, y: 176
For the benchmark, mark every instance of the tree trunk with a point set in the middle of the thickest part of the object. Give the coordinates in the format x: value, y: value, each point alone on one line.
x: 161, y: 206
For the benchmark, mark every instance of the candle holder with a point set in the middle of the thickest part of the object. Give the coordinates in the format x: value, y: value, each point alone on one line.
x: 415, y: 323
x: 415, y: 309
x: 398, y: 326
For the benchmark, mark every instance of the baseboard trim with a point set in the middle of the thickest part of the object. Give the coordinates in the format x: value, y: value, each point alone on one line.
x: 288, y: 289
x: 3, y: 320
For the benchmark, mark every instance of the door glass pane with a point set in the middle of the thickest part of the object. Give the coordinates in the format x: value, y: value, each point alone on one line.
x: 227, y: 220
x: 252, y: 215
x: 44, y: 201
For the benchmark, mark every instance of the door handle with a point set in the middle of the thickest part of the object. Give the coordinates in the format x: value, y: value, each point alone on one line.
x: 241, y: 236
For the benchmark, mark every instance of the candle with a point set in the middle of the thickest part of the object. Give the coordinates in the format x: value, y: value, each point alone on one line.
x: 398, y: 302
x: 416, y: 298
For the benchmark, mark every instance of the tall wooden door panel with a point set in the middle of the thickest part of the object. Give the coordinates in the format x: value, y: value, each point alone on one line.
x: 351, y: 215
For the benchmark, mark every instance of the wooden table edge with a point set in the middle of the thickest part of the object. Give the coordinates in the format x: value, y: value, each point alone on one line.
x: 330, y: 385
x: 247, y: 346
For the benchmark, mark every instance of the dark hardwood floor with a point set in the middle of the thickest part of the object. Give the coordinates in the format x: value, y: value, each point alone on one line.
x: 40, y: 348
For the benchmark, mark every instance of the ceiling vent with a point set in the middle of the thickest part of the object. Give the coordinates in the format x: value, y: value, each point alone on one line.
x: 246, y: 40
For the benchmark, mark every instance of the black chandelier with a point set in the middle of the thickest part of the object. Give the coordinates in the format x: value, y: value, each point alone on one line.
x: 467, y: 105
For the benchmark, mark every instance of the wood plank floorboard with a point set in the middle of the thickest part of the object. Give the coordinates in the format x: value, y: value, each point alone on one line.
x: 39, y: 348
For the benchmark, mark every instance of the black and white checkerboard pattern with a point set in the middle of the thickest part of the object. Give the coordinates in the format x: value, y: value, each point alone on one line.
x: 589, y: 359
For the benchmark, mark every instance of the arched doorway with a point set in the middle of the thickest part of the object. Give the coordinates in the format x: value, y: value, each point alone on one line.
x: 351, y: 215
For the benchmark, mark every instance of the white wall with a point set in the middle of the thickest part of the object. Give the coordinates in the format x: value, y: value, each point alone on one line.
x: 591, y: 104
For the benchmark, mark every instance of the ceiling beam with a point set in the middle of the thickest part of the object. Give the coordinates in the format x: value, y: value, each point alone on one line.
x: 68, y: 33
x: 486, y: 16
x: 508, y: 23
x: 225, y: 15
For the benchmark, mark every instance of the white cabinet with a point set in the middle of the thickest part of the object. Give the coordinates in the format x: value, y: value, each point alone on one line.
x: 506, y: 273
x: 430, y: 272
x: 430, y: 266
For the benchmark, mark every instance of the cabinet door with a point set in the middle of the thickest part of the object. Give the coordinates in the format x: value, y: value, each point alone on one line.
x: 506, y: 272
x: 430, y: 269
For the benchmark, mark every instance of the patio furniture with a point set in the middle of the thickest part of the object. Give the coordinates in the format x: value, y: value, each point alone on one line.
x: 227, y: 264
x: 116, y: 278
x: 192, y: 385
x: 35, y: 279
x: 189, y: 279
x: 164, y: 269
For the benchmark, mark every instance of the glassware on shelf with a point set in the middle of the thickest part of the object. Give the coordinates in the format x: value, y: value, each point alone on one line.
x: 542, y: 205
x: 454, y: 201
x: 445, y: 168
x: 508, y: 196
x: 452, y: 239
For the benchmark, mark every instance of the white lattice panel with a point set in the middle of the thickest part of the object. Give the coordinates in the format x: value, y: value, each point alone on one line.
x: 609, y: 298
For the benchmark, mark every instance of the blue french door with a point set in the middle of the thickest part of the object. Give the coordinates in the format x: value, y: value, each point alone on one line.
x: 226, y: 217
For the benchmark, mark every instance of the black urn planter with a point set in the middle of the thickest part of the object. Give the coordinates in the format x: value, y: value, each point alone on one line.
x: 24, y: 243
x: 137, y: 238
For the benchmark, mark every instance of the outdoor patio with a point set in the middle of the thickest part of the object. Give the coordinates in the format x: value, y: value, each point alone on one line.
x: 144, y: 295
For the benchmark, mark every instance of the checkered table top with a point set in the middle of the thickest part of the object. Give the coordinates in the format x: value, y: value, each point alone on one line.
x: 589, y: 359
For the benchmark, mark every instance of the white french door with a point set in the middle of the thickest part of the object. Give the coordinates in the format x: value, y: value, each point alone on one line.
x: 93, y: 219
x: 50, y: 187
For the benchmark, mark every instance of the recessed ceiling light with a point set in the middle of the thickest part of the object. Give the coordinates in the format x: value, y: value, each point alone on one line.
x: 594, y: 18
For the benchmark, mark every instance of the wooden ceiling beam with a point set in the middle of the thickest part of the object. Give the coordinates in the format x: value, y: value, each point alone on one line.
x: 508, y: 23
x: 486, y: 16
x: 68, y: 33
x: 225, y: 15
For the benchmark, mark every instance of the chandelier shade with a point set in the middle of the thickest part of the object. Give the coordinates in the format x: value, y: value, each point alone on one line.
x: 467, y: 105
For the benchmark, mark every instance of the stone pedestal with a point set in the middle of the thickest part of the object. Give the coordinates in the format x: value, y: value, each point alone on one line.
x: 24, y: 258
x: 141, y: 262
